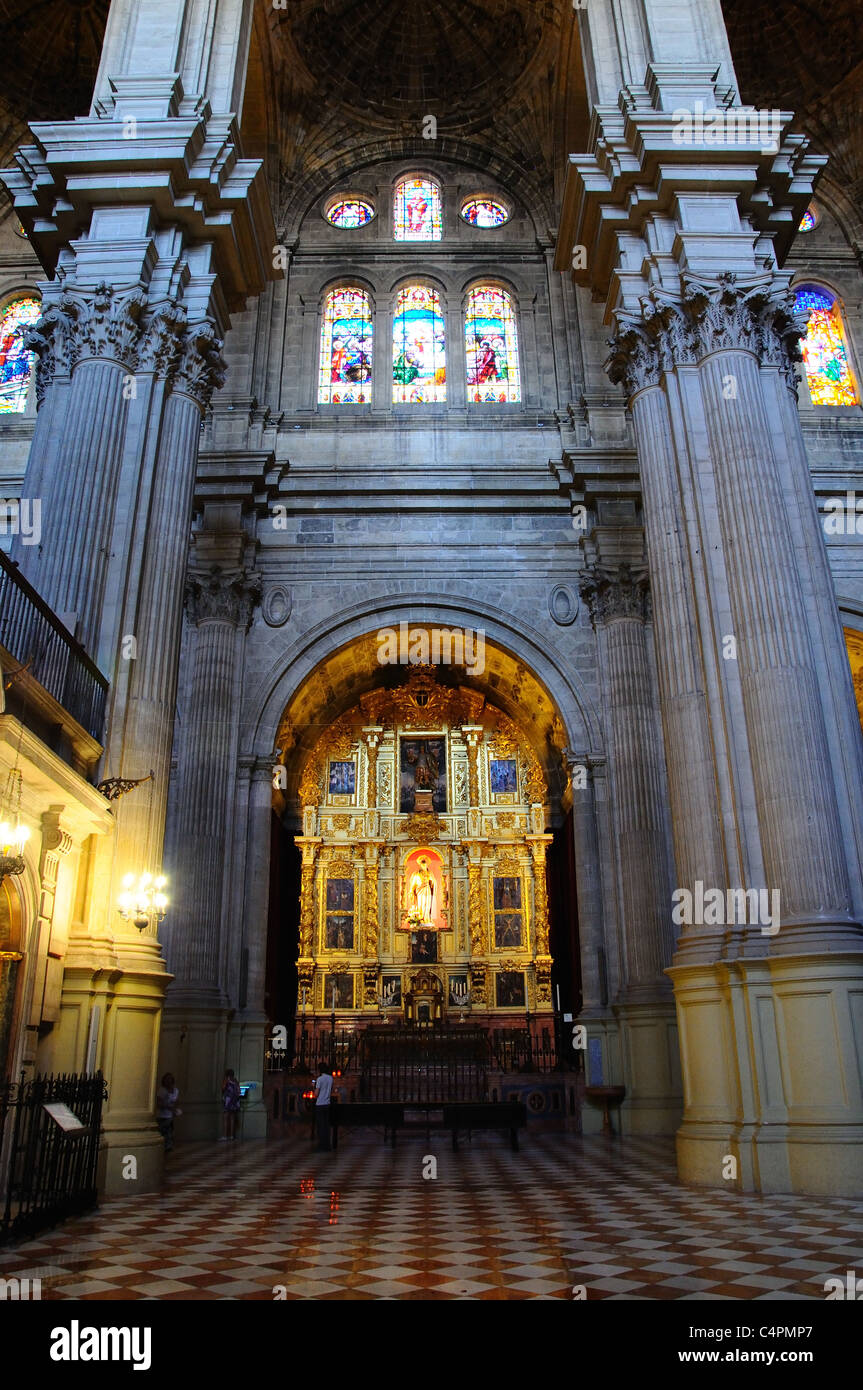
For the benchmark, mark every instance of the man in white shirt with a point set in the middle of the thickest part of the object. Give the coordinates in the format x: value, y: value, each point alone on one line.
x: 323, y: 1092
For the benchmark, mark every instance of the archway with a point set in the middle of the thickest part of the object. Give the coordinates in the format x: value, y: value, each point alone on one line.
x: 410, y: 752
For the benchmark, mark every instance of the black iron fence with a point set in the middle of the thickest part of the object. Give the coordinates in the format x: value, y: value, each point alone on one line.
x: 424, y: 1065
x: 49, y: 1148
x: 36, y: 638
x: 535, y: 1048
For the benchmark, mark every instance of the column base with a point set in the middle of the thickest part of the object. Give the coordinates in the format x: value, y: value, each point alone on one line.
x: 131, y: 1162
x: 651, y: 1067
x: 772, y: 1070
x: 193, y: 1048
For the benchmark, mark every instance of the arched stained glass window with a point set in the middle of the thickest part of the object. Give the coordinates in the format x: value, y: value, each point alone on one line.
x: 348, y: 213
x: 418, y: 215
x: 491, y: 346
x: 16, y: 363
x: 419, y: 347
x: 484, y: 212
x: 825, y: 353
x: 346, y: 348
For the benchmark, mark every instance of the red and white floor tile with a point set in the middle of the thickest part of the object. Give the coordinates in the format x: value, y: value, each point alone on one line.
x: 238, y: 1221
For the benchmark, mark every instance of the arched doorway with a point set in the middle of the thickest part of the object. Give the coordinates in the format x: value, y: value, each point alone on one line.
x: 422, y: 870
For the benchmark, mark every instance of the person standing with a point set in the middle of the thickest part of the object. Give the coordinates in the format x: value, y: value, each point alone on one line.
x: 323, y: 1093
x: 231, y: 1097
x: 167, y: 1097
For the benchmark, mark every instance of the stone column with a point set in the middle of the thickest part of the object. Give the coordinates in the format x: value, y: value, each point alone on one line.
x: 583, y: 770
x: 618, y: 599
x: 220, y: 607
x: 705, y: 342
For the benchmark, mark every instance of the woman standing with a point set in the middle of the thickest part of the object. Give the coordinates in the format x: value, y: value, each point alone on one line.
x: 231, y: 1097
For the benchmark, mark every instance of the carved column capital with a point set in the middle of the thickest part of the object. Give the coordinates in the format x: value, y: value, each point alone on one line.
x: 756, y: 315
x: 201, y: 369
x: 222, y: 598
x: 161, y: 342
x: 616, y: 593
x: 106, y: 324
x: 52, y: 340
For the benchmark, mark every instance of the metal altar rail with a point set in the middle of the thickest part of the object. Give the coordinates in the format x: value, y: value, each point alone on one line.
x: 50, y: 1170
x: 531, y: 1049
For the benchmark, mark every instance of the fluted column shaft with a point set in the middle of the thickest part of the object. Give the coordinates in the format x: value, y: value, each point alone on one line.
x: 695, y: 815
x: 800, y: 832
x: 588, y: 878
x: 221, y: 607
x: 618, y: 610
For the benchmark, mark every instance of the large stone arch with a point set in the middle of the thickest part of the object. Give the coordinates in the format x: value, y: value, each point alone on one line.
x: 523, y: 641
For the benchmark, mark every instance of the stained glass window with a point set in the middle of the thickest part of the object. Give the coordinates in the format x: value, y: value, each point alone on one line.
x: 418, y: 215
x: 419, y: 346
x: 346, y: 349
x: 491, y: 345
x: 825, y: 354
x: 350, y: 212
x: 809, y: 221
x: 484, y: 212
x: 15, y: 362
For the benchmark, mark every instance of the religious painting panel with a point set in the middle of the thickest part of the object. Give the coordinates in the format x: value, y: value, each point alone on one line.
x: 417, y: 211
x: 424, y: 947
x: 503, y: 780
x: 339, y: 926
x: 509, y: 989
x: 338, y: 991
x: 342, y: 781
x: 423, y: 769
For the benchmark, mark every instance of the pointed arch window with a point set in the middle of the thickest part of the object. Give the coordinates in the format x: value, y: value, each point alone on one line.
x: 419, y: 347
x: 16, y: 363
x: 825, y: 348
x: 491, y: 346
x: 347, y: 334
x: 418, y: 213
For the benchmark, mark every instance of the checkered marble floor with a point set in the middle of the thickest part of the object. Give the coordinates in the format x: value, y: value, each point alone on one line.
x: 238, y: 1221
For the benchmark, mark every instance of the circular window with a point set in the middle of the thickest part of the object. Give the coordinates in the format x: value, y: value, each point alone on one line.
x: 811, y: 218
x: 484, y: 212
x: 349, y: 213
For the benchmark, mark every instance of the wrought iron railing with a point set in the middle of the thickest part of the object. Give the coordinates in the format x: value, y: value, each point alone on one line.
x: 381, y: 1051
x: 50, y: 1170
x: 32, y: 634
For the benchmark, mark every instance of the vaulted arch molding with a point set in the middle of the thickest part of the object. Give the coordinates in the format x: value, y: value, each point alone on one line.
x: 298, y: 195
x: 546, y: 691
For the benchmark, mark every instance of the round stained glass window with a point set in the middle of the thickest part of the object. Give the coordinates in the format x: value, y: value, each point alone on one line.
x: 810, y: 219
x: 349, y: 212
x: 484, y: 212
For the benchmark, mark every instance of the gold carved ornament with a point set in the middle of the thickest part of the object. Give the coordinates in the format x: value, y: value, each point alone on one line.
x: 370, y: 903
x: 335, y: 742
x: 540, y: 900
x: 506, y: 740
x: 476, y: 917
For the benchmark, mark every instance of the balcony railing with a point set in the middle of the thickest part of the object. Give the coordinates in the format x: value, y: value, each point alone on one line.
x: 47, y: 651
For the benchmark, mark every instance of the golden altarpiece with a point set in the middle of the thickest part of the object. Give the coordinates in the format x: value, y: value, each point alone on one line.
x: 423, y: 893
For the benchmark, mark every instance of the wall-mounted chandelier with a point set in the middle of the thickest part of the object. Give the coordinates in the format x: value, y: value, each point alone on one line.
x: 143, y: 900
x: 13, y: 835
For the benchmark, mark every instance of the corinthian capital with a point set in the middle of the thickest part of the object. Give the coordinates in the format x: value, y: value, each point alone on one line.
x: 161, y: 341
x: 52, y: 339
x: 615, y: 593
x: 201, y: 368
x: 106, y: 324
x: 222, y: 598
x: 751, y: 315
